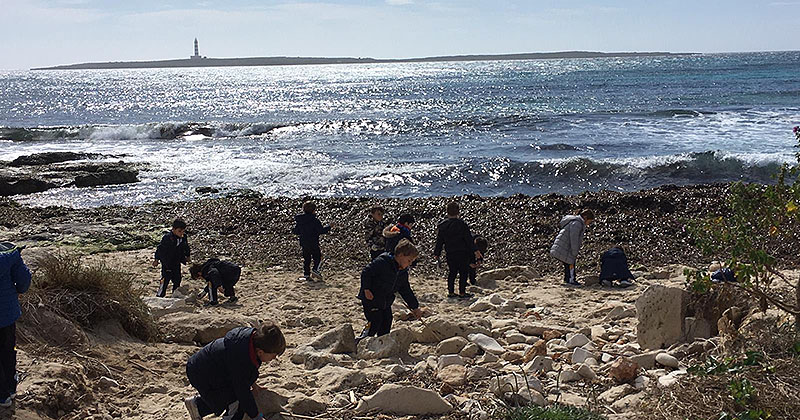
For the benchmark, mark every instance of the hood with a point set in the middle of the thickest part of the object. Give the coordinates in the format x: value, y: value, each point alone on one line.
x: 7, y: 248
x: 569, y: 219
x: 239, y: 334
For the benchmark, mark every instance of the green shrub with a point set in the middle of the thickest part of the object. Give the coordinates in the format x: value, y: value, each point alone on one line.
x: 87, y: 294
x: 554, y: 412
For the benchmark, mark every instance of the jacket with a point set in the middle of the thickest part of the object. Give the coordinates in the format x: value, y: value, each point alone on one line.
x: 173, y: 251
x: 221, y: 273
x: 15, y: 278
x: 308, y: 228
x: 224, y: 370
x: 395, y: 233
x: 383, y: 278
x: 374, y: 230
x: 614, y: 265
x: 568, y: 241
x: 453, y: 234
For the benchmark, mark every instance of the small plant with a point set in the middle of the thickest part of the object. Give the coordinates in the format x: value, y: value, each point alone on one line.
x: 743, y: 392
x: 554, y: 412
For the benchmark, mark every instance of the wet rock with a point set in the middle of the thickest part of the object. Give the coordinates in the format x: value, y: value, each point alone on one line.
x: 660, y: 311
x: 107, y: 176
x: 18, y: 186
x: 48, y: 158
x: 404, y: 401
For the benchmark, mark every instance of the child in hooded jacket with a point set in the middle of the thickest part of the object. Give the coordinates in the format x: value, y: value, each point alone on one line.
x: 568, y: 242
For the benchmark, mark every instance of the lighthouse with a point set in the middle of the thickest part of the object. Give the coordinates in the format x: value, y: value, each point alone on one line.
x: 196, y: 55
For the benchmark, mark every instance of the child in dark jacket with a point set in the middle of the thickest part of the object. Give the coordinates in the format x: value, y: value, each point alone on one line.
x: 218, y: 274
x: 454, y: 236
x: 15, y: 278
x: 482, y: 246
x: 225, y: 370
x: 380, y: 280
x: 374, y: 226
x: 172, y: 252
x: 398, y: 231
x: 308, y: 228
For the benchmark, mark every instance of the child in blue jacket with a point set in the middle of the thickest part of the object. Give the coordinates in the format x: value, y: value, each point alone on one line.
x: 15, y: 278
x: 308, y: 228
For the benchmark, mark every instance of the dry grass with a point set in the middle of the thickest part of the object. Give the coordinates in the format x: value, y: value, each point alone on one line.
x: 89, y: 294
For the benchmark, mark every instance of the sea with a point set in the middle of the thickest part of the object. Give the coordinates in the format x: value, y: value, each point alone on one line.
x: 492, y: 128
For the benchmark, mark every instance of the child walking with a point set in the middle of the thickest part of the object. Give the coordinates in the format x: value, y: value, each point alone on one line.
x: 224, y: 372
x: 454, y: 236
x: 568, y: 243
x: 380, y: 280
x: 15, y: 278
x: 374, y: 226
x: 308, y: 228
x: 217, y: 274
x: 171, y: 253
x: 398, y: 231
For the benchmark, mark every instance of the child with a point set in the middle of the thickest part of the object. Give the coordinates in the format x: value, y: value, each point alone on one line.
x: 568, y: 242
x: 380, y: 280
x: 15, y: 278
x: 224, y: 371
x: 172, y: 252
x: 216, y: 274
x: 397, y: 232
x: 614, y: 266
x: 482, y: 245
x: 453, y: 234
x: 308, y: 228
x: 376, y: 243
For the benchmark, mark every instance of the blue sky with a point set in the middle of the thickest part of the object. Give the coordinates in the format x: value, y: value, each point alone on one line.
x: 50, y: 32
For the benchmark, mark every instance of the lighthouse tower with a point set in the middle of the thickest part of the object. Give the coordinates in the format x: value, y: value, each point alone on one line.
x: 196, y: 55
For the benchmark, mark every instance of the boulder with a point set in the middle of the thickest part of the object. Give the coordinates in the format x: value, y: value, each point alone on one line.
x: 107, y: 176
x: 189, y: 328
x: 404, y: 400
x: 47, y: 158
x: 303, y: 405
x: 488, y: 344
x: 160, y: 306
x: 339, y: 340
x: 451, y: 346
x: 623, y: 370
x: 24, y: 185
x: 661, y: 311
x: 333, y: 379
x: 453, y: 375
x: 394, y: 344
x: 269, y: 401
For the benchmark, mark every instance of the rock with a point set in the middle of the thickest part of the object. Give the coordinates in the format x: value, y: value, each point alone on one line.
x: 623, y: 370
x: 16, y: 186
x: 269, y: 401
x: 339, y: 340
x: 481, y: 305
x: 641, y: 382
x: 627, y: 403
x: 453, y: 375
x: 476, y: 373
x: 537, y: 349
x: 646, y: 360
x: 515, y: 338
x: 579, y: 355
x: 620, y: 311
x: 540, y: 364
x: 586, y: 372
x: 513, y: 383
x: 206, y: 190
x: 548, y: 335
x: 470, y: 350
x: 489, y: 278
x: 538, y: 329
x: 576, y: 340
x: 615, y: 393
x: 303, y: 405
x: 567, y: 376
x: 670, y: 379
x: 665, y: 359
x: 449, y: 359
x: 107, y: 176
x: 512, y: 356
x: 394, y: 344
x: 437, y: 329
x: 159, y: 306
x: 660, y: 311
x: 527, y: 397
x: 48, y: 158
x: 488, y: 344
x: 695, y: 328
x: 189, y: 328
x: 451, y: 345
x: 599, y: 332
x: 106, y: 382
x: 488, y: 358
x: 332, y: 379
x: 405, y: 401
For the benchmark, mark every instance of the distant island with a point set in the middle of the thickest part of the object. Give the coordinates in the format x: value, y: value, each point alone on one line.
x: 198, y: 61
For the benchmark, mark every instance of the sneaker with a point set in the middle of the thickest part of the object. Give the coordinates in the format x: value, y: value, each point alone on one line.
x: 625, y: 283
x: 574, y: 283
x: 466, y: 296
x: 191, y: 406
x: 203, y: 294
x: 212, y: 303
x: 233, y: 299
x: 607, y: 283
x: 452, y: 295
x: 7, y: 402
x: 316, y: 274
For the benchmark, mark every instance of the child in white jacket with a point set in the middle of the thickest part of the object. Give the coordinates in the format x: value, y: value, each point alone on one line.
x: 568, y: 243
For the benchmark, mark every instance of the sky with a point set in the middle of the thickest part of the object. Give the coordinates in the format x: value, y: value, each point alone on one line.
x: 50, y: 32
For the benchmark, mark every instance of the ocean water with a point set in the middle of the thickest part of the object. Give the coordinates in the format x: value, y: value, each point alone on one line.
x: 416, y: 129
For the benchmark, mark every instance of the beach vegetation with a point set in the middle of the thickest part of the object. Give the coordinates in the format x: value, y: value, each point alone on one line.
x: 553, y: 412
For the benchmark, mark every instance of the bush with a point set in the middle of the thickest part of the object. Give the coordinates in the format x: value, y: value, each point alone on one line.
x: 90, y: 294
x: 555, y: 412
